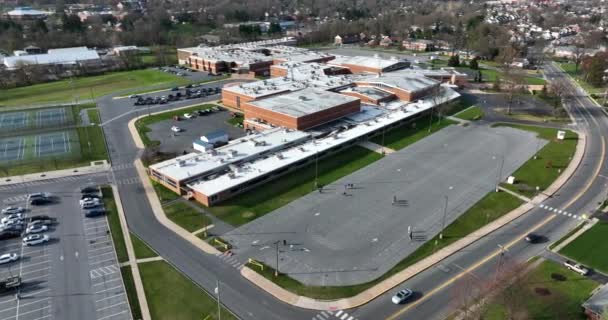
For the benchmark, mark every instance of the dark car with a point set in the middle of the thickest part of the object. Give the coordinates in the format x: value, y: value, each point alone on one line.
x: 188, y: 86
x: 8, y: 234
x: 94, y: 213
x: 88, y: 189
x: 218, y: 90
x: 534, y: 238
x: 178, y: 95
x: 42, y: 217
x: 175, y: 89
x: 39, y: 201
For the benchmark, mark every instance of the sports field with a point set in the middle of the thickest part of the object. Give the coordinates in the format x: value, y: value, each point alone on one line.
x: 36, y: 118
x: 84, y: 88
x: 59, y: 144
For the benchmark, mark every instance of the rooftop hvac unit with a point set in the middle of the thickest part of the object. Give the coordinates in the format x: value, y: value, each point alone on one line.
x: 181, y: 163
x: 280, y: 156
x: 302, y: 149
x: 231, y: 153
x: 220, y: 160
x: 336, y: 137
x: 231, y: 175
x: 212, y: 152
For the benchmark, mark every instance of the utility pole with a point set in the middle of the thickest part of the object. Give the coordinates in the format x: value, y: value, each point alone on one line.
x: 276, y: 270
x: 431, y: 120
x: 503, y: 250
x: 445, y: 211
x: 314, y: 143
x: 219, y: 307
x: 499, y: 171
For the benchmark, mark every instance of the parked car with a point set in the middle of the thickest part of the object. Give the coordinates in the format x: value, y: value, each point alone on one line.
x: 90, y: 196
x: 89, y: 203
x: 10, y: 217
x: 402, y: 296
x: 576, y: 267
x: 42, y: 217
x: 88, y: 189
x: 35, y: 239
x: 176, y: 129
x: 13, y: 224
x: 533, y: 238
x: 36, y: 228
x: 9, y: 234
x: 8, y: 257
x: 175, y: 89
x: 163, y: 101
x: 94, y: 212
x: 38, y: 195
x: 188, y: 115
x: 13, y: 210
x: 134, y: 96
x: 39, y: 201
x: 38, y: 223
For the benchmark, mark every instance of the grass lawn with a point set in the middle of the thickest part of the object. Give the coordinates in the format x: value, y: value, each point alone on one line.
x: 589, y: 247
x: 143, y: 123
x: 402, y: 136
x: 127, y: 278
x: 472, y: 114
x: 163, y: 193
x: 238, y: 119
x: 93, y: 116
x: 541, y: 296
x: 141, y: 248
x: 570, y: 68
x: 172, y: 296
x: 257, y: 202
x: 568, y: 235
x: 114, y: 222
x: 490, y: 75
x: 544, y: 170
x: 491, y: 207
x: 85, y: 88
x: 186, y: 216
x: 92, y: 143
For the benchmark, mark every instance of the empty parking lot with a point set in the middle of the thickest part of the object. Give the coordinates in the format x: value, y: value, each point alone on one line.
x: 347, y: 236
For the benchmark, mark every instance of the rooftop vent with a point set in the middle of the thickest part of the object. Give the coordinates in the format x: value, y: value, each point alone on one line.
x: 181, y: 163
x: 280, y: 156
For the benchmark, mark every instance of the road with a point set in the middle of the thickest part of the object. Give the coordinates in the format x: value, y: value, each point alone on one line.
x: 439, y: 285
x: 435, y: 286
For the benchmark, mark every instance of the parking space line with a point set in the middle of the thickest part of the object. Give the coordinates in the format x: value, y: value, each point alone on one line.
x: 105, y: 232
x: 110, y: 297
x: 8, y: 300
x: 102, y: 261
x: 39, y: 277
x: 31, y: 311
x: 25, y: 304
x: 31, y: 294
x: 106, y: 282
x: 104, y: 290
x: 111, y: 306
x: 95, y: 227
x: 113, y: 315
x: 43, y: 317
x: 101, y: 254
x: 96, y: 222
x: 35, y: 264
x: 102, y: 248
x: 37, y: 270
x: 95, y: 238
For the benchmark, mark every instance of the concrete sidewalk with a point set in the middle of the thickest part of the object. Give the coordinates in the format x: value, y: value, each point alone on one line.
x: 376, y: 147
x: 103, y: 166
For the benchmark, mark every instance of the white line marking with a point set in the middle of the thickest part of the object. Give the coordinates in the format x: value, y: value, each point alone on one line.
x: 111, y: 306
x: 110, y: 297
x: 104, y: 290
x: 113, y: 315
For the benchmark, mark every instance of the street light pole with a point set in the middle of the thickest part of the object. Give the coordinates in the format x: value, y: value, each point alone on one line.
x: 219, y: 308
x: 500, y: 261
x: 499, y: 172
x: 276, y: 270
x: 445, y: 211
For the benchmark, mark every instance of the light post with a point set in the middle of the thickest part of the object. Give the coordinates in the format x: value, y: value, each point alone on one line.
x: 314, y: 143
x: 276, y: 270
x: 217, y: 292
x: 445, y: 211
x: 499, y: 171
x: 503, y: 250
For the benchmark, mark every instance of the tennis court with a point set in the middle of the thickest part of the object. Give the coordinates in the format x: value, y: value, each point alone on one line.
x: 52, y: 144
x: 51, y: 117
x: 12, y: 149
x: 13, y: 120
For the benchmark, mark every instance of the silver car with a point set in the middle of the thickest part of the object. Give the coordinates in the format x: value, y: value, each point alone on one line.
x: 402, y: 296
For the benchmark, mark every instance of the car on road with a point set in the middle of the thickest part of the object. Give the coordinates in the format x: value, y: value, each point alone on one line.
x: 35, y: 239
x: 188, y: 115
x: 576, y: 267
x: 16, y: 216
x: 533, y: 238
x: 402, y: 295
x: 8, y: 257
x: 94, y: 212
x: 36, y: 228
x: 89, y: 189
x: 13, y: 210
x: 176, y: 129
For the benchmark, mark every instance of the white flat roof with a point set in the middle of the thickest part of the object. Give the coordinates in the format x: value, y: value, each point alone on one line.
x: 304, y: 102
x: 54, y: 56
x: 406, y: 81
x: 195, y: 164
x: 369, y: 62
x: 251, y: 170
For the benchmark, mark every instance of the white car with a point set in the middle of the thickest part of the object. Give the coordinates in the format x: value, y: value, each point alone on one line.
x: 14, y: 216
x: 8, y: 257
x: 88, y: 201
x: 35, y: 239
x: 576, y: 267
x: 36, y: 228
x: 176, y: 129
x: 188, y: 115
x: 402, y: 296
x: 12, y: 210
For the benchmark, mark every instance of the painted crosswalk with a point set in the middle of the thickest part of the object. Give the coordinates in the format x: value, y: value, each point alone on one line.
x: 331, y: 315
x: 231, y: 260
x: 563, y: 212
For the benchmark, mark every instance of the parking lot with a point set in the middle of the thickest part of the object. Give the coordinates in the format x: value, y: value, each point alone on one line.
x: 192, y: 129
x: 73, y: 276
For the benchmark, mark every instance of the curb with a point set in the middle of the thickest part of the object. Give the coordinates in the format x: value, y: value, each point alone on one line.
x: 41, y: 176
